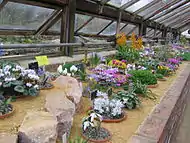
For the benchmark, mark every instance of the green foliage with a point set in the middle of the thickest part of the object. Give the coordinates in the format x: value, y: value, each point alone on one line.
x: 67, y: 66
x: 142, y: 89
x: 125, y: 87
x: 127, y: 53
x: 5, y: 107
x: 163, y: 53
x: 144, y: 76
x: 183, y: 40
x: 33, y: 92
x: 159, y: 76
x: 129, y: 99
x: 94, y: 60
x: 186, y: 56
x: 82, y: 75
x: 19, y: 88
x: 78, y: 139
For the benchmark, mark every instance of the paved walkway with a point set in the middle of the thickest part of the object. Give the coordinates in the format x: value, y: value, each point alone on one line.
x: 183, y: 134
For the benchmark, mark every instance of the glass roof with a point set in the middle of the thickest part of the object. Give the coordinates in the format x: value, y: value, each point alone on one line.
x: 95, y: 25
x: 23, y: 16
x: 110, y: 30
x: 138, y: 5
x: 118, y: 3
x: 130, y: 29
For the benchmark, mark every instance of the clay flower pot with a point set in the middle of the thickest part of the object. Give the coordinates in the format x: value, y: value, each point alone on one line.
x: 152, y: 86
x: 7, y: 114
x: 100, y: 140
x: 124, y: 117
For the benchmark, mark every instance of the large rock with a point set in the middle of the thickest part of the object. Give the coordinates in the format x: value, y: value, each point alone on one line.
x: 38, y: 127
x: 8, y: 138
x: 72, y: 88
x: 62, y: 109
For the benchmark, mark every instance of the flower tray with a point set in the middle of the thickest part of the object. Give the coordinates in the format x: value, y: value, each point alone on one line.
x: 152, y: 86
x: 98, y: 141
x: 8, y: 114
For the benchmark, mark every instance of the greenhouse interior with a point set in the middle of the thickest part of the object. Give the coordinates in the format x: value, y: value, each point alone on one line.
x: 94, y: 71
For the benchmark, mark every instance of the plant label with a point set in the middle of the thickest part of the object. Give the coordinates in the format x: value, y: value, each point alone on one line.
x: 42, y: 60
x: 33, y: 66
x: 64, y: 138
x: 93, y: 94
x: 109, y: 92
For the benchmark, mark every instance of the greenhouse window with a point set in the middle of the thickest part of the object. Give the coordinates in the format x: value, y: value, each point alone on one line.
x: 16, y: 15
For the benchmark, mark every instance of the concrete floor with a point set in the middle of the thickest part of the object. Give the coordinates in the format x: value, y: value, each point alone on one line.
x: 183, y: 133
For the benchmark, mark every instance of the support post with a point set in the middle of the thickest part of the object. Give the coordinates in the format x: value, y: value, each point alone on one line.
x: 67, y: 26
x: 118, y: 23
x: 142, y: 29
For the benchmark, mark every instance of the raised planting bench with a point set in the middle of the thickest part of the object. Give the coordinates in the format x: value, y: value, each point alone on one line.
x: 164, y: 120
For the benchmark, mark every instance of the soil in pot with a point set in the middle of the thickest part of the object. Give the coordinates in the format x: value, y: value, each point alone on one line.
x: 47, y: 85
x: 152, y: 86
x: 8, y: 113
x: 103, y: 135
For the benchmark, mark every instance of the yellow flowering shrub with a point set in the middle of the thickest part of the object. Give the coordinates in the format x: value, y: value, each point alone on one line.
x: 118, y: 64
x: 121, y: 39
x: 136, y: 42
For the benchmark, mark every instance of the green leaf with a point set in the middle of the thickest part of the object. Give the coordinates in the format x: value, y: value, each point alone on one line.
x: 19, y: 88
x: 17, y: 82
x: 33, y: 92
x: 6, y: 84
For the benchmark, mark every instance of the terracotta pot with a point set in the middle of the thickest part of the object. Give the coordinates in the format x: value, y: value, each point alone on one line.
x: 152, y: 86
x: 8, y: 114
x: 115, y: 120
x: 98, y: 141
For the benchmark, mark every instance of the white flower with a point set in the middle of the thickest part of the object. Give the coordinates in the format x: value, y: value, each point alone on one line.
x: 36, y: 86
x: 68, y: 74
x: 28, y: 84
x: 64, y: 72
x: 86, y: 124
x: 73, y: 69
x: 0, y: 83
x: 60, y: 69
x: 94, y: 116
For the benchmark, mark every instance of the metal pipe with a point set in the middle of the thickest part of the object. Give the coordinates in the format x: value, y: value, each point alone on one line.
x: 27, y: 46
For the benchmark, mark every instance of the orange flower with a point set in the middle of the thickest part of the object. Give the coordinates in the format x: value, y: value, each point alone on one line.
x: 121, y: 39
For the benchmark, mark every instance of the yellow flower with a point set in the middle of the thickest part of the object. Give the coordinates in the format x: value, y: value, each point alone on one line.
x: 121, y: 39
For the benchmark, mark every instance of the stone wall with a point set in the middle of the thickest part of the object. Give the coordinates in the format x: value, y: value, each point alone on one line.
x: 163, y: 122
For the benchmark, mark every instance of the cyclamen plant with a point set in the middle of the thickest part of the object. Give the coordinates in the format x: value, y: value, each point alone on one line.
x: 108, y: 108
x: 67, y: 72
x: 15, y: 80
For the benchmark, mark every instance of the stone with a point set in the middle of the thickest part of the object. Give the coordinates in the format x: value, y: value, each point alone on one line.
x: 62, y: 109
x: 140, y: 139
x: 72, y: 88
x: 38, y: 127
x: 8, y: 138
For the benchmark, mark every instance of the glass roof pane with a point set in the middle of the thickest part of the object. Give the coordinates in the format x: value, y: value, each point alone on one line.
x: 118, y: 3
x: 154, y: 8
x: 56, y: 26
x: 176, y: 11
x: 129, y: 29
x: 95, y: 25
x: 23, y: 16
x: 80, y: 19
x: 173, y: 6
x: 138, y: 5
x: 110, y: 30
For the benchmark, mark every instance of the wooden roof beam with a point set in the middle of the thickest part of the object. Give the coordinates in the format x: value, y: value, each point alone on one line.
x: 128, y: 4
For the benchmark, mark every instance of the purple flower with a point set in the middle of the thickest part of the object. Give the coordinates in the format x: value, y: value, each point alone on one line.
x: 40, y: 72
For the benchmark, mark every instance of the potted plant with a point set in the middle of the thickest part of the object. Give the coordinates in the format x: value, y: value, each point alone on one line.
x: 6, y: 109
x: 128, y: 98
x: 160, y: 77
x: 92, y: 130
x: 145, y: 77
x: 141, y: 89
x: 17, y: 81
x: 110, y: 110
